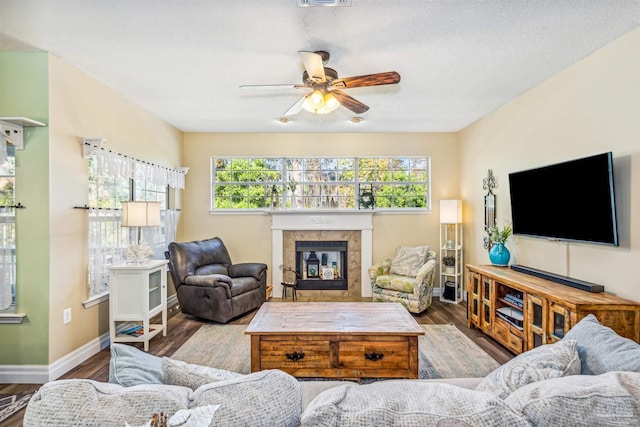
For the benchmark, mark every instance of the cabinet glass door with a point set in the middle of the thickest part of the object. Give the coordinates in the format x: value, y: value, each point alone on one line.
x: 536, y: 321
x: 474, y: 299
x: 560, y: 323
x: 155, y: 289
x: 487, y: 289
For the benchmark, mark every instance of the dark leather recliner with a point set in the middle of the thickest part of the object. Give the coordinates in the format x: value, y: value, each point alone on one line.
x: 209, y: 286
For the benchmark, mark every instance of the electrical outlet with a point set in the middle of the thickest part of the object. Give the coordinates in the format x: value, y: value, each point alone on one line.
x: 66, y: 316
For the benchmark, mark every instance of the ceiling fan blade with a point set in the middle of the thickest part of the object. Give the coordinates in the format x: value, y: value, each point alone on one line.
x: 314, y: 66
x: 388, y: 78
x: 350, y: 102
x: 281, y: 86
x: 297, y: 107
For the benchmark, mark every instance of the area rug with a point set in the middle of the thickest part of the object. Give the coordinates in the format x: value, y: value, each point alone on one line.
x: 445, y: 352
x: 12, y: 403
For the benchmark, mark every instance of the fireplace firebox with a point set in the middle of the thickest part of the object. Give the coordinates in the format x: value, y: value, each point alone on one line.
x: 322, y: 265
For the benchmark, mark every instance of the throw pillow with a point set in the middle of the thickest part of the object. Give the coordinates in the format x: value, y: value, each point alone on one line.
x: 80, y: 402
x: 541, y: 363
x: 195, y: 417
x: 611, y: 399
x: 601, y: 349
x: 407, y: 404
x: 264, y: 398
x: 129, y: 366
x: 186, y: 374
x: 408, y: 260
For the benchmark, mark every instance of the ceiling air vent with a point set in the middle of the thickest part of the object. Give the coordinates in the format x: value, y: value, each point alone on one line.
x: 314, y: 3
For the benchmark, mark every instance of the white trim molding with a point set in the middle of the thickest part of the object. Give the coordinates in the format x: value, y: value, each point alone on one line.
x: 330, y: 219
x: 40, y: 374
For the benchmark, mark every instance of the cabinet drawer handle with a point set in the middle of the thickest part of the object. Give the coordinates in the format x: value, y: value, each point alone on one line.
x: 295, y: 356
x: 374, y: 357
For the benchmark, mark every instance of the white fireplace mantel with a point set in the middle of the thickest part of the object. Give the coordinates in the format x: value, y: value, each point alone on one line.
x: 329, y: 219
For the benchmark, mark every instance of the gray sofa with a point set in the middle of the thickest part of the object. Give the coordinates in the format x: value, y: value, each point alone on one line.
x: 208, y: 285
x: 591, y: 378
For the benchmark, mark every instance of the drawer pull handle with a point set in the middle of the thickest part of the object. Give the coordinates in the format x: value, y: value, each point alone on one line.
x: 295, y: 356
x: 374, y: 357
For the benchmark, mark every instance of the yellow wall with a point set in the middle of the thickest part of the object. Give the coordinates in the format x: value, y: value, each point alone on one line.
x: 248, y: 236
x: 79, y: 107
x: 591, y: 107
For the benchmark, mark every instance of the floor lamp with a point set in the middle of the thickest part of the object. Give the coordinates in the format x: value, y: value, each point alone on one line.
x: 140, y: 214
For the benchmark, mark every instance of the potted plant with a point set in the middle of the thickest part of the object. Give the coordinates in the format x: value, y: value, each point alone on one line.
x: 449, y: 263
x: 498, y: 253
x: 292, y: 185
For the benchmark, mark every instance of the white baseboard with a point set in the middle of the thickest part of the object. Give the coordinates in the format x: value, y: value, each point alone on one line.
x: 40, y: 374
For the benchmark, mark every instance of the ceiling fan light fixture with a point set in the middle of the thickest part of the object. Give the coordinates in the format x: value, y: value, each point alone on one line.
x: 330, y: 101
x: 320, y: 102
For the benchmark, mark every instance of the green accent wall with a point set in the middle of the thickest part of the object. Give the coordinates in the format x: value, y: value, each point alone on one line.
x: 24, y: 92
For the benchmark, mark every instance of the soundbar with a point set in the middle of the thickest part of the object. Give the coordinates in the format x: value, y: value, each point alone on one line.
x: 568, y: 281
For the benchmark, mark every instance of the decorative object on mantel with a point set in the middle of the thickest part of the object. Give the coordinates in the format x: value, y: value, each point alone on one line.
x: 292, y: 185
x: 489, y: 183
x: 140, y: 214
x: 499, y: 254
x: 273, y: 204
x: 367, y: 199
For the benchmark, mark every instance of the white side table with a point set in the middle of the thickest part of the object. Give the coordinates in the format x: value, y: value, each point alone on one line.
x: 138, y: 292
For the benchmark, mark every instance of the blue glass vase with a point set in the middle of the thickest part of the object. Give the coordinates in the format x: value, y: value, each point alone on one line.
x: 499, y: 254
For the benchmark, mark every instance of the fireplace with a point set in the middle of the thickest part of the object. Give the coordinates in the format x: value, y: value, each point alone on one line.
x: 322, y: 265
x: 354, y: 227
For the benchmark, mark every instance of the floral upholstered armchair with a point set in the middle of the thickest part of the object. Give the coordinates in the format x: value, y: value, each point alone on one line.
x: 408, y: 278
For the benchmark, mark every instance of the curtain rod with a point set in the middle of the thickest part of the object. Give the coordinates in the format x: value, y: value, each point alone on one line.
x: 18, y: 206
x: 132, y: 158
x: 111, y: 209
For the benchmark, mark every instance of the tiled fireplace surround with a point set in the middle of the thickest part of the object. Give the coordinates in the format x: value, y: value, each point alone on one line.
x: 354, y: 227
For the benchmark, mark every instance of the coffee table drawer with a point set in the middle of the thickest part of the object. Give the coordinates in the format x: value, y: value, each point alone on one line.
x: 374, y: 354
x: 294, y: 354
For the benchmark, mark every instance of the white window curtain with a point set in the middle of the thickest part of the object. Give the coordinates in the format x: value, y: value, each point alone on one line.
x: 114, y: 164
x: 160, y: 237
x: 7, y: 258
x: 108, y: 240
x: 107, y: 243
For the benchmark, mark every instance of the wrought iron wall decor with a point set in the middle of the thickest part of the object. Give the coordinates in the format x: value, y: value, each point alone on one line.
x: 489, y: 183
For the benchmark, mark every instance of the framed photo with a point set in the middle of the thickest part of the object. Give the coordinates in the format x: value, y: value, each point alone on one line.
x: 327, y: 273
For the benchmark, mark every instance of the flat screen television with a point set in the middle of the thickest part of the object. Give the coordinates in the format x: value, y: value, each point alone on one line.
x: 572, y: 201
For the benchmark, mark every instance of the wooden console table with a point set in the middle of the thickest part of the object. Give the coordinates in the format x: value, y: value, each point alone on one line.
x: 521, y: 311
x: 335, y: 339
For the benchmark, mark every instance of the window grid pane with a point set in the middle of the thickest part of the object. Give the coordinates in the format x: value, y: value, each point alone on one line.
x: 316, y: 183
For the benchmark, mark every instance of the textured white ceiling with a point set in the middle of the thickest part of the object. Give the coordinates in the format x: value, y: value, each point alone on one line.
x: 184, y: 60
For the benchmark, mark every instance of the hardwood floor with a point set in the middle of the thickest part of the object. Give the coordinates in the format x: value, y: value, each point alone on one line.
x: 181, y: 327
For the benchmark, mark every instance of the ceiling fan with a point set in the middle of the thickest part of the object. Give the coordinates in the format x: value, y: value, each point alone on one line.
x: 325, y: 95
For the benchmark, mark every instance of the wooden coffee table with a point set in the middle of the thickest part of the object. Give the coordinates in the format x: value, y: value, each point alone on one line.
x: 335, y: 339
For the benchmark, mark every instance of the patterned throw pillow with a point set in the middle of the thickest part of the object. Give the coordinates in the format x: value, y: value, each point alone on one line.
x: 611, y: 399
x: 260, y: 399
x: 541, y: 363
x: 186, y: 374
x: 408, y: 260
x: 601, y: 349
x: 408, y: 404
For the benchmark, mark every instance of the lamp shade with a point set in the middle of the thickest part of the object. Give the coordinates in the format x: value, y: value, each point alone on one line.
x: 140, y: 214
x: 450, y: 211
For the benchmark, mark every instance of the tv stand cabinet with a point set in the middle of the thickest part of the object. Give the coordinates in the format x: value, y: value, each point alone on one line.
x: 521, y: 311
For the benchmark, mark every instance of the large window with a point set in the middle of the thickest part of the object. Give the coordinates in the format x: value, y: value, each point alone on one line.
x: 114, y: 178
x: 7, y: 234
x: 315, y: 183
